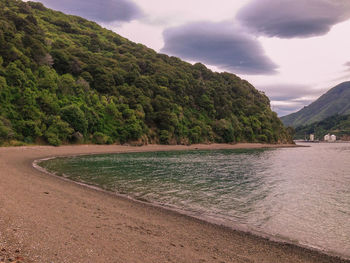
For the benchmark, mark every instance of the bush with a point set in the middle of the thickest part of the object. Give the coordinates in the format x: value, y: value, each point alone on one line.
x: 73, y: 115
x: 57, y: 131
x: 195, y: 134
x: 6, y: 132
x: 262, y: 138
x: 53, y: 139
x: 134, y: 130
x: 100, y: 138
x: 164, y: 137
x: 224, y: 129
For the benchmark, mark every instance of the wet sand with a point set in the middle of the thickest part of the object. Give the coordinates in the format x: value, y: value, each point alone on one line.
x: 46, y: 219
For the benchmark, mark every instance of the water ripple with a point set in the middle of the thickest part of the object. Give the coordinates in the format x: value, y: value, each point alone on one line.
x: 299, y: 194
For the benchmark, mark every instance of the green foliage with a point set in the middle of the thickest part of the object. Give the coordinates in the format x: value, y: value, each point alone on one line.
x: 65, y: 79
x: 15, y: 77
x: 73, y: 115
x: 337, y: 124
x: 164, y: 137
x: 225, y: 131
x: 195, y: 134
x: 6, y: 132
x: 100, y: 138
x: 58, y: 131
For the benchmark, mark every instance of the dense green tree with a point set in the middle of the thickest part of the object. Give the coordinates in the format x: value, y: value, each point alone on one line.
x: 73, y: 115
x: 58, y: 131
x: 15, y: 77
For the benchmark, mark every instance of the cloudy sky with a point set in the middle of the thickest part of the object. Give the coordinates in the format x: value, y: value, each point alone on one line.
x: 294, y: 50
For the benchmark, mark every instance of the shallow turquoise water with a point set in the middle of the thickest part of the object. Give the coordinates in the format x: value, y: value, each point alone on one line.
x: 300, y: 195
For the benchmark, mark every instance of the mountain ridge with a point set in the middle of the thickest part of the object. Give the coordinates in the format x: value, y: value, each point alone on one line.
x: 334, y: 101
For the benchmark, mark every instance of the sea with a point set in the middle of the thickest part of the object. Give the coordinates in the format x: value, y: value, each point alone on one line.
x: 296, y: 195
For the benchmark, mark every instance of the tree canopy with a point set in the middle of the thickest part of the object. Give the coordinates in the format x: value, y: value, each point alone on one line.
x: 63, y: 77
x: 338, y: 125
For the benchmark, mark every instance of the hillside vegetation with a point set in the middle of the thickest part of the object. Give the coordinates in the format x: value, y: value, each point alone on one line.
x: 64, y: 79
x: 335, y: 101
x: 338, y: 125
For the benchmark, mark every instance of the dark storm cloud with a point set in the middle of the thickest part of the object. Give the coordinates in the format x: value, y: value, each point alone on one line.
x: 293, y: 18
x: 97, y: 10
x: 218, y: 44
x: 288, y: 98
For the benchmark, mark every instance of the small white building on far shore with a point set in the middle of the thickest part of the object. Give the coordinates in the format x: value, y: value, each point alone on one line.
x: 330, y: 138
x: 312, y: 137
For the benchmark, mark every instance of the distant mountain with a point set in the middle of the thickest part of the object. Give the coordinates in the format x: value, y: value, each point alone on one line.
x: 64, y: 79
x: 337, y: 124
x: 335, y: 101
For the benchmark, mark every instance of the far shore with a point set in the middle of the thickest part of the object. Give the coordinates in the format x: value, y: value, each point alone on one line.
x: 46, y: 219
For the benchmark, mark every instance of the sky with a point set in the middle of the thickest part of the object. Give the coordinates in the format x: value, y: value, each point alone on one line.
x: 293, y: 50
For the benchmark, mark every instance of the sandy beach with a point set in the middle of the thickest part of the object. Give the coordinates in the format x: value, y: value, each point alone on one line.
x: 46, y: 219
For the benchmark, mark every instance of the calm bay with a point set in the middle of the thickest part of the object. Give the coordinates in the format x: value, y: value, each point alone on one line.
x: 297, y: 195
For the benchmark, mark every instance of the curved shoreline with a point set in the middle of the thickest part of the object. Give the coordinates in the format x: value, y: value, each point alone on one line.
x: 244, y: 230
x: 271, y: 249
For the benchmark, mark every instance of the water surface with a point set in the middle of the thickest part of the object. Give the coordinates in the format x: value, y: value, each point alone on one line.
x: 301, y: 195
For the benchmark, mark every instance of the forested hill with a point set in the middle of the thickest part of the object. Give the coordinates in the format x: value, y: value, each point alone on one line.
x: 337, y: 124
x: 64, y: 79
x: 335, y: 101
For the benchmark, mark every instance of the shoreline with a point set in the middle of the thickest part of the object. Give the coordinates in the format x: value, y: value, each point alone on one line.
x: 238, y: 228
x: 272, y: 250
